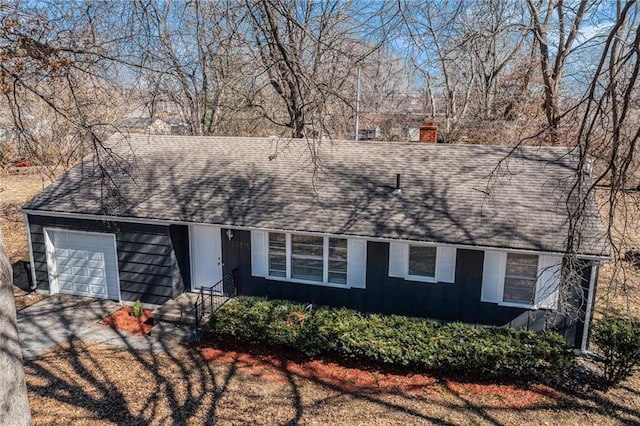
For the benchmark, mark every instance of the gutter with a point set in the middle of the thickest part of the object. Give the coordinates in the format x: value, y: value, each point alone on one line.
x: 589, y: 312
x: 34, y: 284
x: 165, y: 222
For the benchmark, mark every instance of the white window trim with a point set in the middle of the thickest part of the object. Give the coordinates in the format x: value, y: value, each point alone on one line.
x: 500, y: 280
x: 399, y: 253
x: 518, y: 305
x: 325, y: 261
x: 513, y: 304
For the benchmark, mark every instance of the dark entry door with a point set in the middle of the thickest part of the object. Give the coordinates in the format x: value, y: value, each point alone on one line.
x: 236, y: 255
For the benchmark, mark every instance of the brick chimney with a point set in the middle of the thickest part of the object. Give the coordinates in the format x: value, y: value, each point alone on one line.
x: 429, y: 132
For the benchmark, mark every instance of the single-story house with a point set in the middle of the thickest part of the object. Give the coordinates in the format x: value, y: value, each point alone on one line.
x: 439, y: 231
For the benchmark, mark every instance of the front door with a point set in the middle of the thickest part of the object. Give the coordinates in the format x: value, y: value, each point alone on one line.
x: 206, y: 256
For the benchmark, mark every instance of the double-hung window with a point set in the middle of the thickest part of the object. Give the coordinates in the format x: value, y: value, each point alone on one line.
x: 520, y: 278
x: 529, y: 281
x: 277, y: 255
x: 308, y: 258
x: 337, y: 260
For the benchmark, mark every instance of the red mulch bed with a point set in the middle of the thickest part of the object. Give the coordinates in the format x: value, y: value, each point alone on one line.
x: 277, y: 364
x: 123, y: 319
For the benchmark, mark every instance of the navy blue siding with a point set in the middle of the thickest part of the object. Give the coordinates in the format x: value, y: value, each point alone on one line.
x: 443, y: 302
x: 152, y: 259
x: 154, y: 266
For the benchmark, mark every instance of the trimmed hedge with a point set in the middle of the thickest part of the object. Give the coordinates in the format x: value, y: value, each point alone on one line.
x: 393, y: 339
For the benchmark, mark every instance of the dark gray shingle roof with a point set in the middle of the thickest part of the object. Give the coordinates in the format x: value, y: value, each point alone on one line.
x: 449, y: 193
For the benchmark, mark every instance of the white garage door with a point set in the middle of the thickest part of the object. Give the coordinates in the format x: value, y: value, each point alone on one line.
x: 82, y: 263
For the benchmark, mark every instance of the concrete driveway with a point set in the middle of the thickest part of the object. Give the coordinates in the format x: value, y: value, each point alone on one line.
x: 61, y: 317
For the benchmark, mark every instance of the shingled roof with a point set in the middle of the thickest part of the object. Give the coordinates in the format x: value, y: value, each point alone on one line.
x: 450, y: 193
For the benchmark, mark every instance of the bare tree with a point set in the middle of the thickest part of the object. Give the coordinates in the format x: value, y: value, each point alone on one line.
x: 435, y: 33
x: 494, y: 36
x: 464, y: 50
x: 610, y: 133
x: 53, y: 77
x: 308, y: 53
x: 187, y: 53
x: 14, y: 409
x: 555, y: 25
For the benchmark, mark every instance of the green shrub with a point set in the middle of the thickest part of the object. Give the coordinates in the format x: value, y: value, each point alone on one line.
x: 136, y: 310
x: 394, y: 339
x: 618, y: 338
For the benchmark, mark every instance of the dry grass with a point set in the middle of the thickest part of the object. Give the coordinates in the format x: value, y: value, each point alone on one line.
x: 79, y: 384
x: 17, y: 186
x: 619, y: 281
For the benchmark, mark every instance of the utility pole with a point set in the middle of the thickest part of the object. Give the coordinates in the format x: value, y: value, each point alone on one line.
x: 358, y: 106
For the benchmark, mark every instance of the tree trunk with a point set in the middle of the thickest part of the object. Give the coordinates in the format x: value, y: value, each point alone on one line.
x: 14, y: 404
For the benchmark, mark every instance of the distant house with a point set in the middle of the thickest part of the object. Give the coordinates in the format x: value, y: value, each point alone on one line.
x: 416, y: 229
x: 149, y: 125
x: 389, y: 127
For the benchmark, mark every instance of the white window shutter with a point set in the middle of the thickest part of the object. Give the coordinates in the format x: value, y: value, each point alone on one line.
x: 446, y: 264
x: 495, y: 264
x: 357, y: 263
x: 548, y: 285
x: 259, y: 253
x: 398, y: 259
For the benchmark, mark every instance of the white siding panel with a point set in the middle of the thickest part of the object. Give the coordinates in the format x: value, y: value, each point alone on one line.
x: 547, y: 287
x: 357, y: 263
x: 446, y: 264
x: 495, y: 263
x: 398, y: 258
x: 259, y: 253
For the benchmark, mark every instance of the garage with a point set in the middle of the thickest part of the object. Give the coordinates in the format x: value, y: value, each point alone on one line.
x: 82, y: 263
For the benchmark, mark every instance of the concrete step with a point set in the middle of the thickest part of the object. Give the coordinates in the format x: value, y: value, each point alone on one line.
x: 182, y: 308
x: 170, y: 330
x: 178, y: 310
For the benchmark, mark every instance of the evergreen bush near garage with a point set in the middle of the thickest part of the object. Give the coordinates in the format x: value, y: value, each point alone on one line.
x: 394, y: 339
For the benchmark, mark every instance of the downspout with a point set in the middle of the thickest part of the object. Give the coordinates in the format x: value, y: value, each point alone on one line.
x: 588, y: 312
x: 31, y: 261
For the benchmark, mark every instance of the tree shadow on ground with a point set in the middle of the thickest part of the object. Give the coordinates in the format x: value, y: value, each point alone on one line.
x: 171, y: 383
x: 573, y: 394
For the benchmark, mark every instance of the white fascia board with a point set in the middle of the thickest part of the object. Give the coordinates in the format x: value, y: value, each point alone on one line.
x: 105, y: 218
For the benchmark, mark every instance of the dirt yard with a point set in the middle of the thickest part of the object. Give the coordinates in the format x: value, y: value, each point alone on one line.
x: 80, y: 384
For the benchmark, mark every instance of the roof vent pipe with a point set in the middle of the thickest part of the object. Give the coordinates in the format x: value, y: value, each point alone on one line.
x: 397, y: 191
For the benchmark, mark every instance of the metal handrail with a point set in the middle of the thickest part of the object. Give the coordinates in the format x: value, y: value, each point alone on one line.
x: 225, y: 289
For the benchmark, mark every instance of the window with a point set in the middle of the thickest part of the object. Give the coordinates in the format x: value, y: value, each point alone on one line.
x: 337, y: 260
x: 520, y: 278
x: 277, y: 255
x: 422, y: 261
x: 308, y: 258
